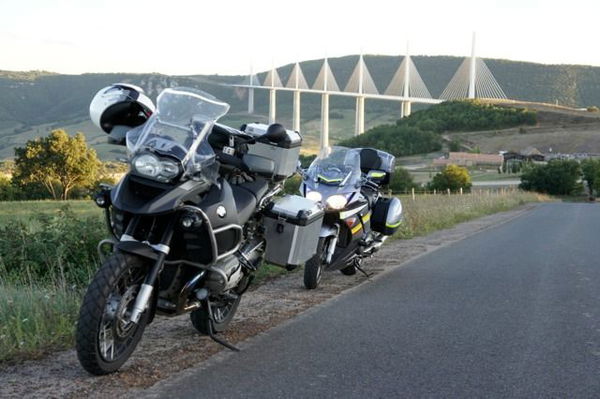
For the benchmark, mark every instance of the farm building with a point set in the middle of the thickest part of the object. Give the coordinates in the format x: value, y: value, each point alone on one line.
x: 469, y: 159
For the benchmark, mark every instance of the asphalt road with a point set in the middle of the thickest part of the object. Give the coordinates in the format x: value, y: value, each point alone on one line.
x: 513, y: 311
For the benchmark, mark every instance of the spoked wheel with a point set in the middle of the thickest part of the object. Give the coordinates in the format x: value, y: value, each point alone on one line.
x: 313, y: 268
x: 105, y: 336
x: 222, y: 310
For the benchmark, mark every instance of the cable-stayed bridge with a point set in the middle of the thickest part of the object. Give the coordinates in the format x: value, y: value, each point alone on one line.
x: 473, y: 79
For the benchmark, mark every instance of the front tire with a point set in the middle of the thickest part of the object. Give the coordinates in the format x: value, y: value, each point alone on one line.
x: 313, y: 268
x: 104, y: 337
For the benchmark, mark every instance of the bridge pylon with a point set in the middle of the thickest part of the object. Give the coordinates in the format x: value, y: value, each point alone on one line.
x: 407, y: 83
x: 473, y: 79
x: 360, y: 82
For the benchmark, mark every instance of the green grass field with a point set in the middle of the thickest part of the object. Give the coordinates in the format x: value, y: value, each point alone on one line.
x: 24, y: 210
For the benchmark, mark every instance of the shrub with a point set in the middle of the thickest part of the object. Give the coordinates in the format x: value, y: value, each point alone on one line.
x: 558, y: 177
x: 454, y: 145
x: 8, y: 191
x: 453, y: 177
x: 402, y: 181
x: 292, y: 185
x: 50, y: 248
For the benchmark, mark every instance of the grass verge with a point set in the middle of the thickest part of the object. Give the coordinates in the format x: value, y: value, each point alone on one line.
x: 38, y: 311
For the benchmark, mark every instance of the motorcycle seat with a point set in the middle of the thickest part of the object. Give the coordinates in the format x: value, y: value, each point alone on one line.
x: 258, y: 187
x: 245, y: 202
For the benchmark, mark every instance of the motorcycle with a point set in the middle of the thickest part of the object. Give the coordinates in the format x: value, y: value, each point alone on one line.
x: 187, y: 221
x: 358, y: 218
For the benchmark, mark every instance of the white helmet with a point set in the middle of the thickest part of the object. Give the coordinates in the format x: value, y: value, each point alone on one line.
x: 120, y: 105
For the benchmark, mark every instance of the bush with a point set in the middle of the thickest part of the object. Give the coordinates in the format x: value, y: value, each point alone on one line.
x: 8, y: 191
x: 402, y: 181
x: 454, y: 145
x: 306, y: 160
x: 292, y: 185
x: 50, y: 248
x: 590, y: 169
x: 453, y: 177
x: 558, y: 177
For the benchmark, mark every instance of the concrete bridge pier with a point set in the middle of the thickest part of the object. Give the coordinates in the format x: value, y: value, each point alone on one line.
x: 296, y: 121
x: 272, y: 106
x: 405, y: 110
x: 251, y: 101
x: 324, y: 121
x: 359, y: 125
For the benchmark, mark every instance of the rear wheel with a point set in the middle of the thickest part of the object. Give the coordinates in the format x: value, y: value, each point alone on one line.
x: 222, y: 311
x: 314, y: 266
x: 105, y: 336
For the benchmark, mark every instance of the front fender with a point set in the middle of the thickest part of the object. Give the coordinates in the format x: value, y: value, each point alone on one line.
x: 328, y: 231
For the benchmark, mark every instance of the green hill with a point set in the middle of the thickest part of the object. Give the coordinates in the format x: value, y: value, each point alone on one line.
x: 33, y: 103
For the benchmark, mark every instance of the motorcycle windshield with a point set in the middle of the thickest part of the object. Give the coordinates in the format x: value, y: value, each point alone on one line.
x: 338, y: 167
x: 179, y: 128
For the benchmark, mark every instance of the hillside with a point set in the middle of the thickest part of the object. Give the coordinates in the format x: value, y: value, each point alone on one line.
x: 557, y: 130
x: 32, y: 103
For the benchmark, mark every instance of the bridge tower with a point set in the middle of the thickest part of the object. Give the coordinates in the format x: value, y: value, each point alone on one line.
x: 297, y: 81
x: 325, y: 83
x: 407, y: 83
x: 473, y: 79
x: 362, y: 83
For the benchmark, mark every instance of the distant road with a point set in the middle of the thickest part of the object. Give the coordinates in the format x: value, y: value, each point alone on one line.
x: 515, y: 182
x: 513, y: 311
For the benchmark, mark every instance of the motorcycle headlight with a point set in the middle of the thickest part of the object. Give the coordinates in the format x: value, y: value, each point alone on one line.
x: 336, y: 201
x: 149, y: 165
x: 314, y: 196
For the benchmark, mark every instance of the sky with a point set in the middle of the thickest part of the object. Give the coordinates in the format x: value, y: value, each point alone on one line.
x: 225, y: 37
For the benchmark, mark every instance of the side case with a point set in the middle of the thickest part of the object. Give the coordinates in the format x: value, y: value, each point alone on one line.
x: 292, y: 227
x: 387, y: 216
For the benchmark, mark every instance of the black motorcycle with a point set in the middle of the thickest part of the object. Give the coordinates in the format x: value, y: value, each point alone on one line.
x: 186, y: 222
x: 358, y: 218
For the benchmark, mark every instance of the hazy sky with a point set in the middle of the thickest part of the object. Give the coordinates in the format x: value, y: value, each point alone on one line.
x: 226, y: 37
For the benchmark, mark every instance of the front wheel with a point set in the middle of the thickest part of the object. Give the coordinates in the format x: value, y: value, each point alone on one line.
x: 313, y: 268
x: 105, y: 336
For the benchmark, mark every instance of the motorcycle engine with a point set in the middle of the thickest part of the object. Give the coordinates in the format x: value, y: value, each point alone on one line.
x: 224, y: 275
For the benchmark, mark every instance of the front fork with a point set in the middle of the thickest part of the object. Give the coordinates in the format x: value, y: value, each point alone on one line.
x: 162, y: 249
x: 330, y: 231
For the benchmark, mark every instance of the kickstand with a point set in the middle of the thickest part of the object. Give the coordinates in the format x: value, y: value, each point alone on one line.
x: 211, y: 332
x: 357, y: 265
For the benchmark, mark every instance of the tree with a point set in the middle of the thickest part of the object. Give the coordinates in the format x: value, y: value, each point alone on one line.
x: 453, y: 177
x: 402, y: 181
x: 454, y: 145
x: 58, y: 162
x: 557, y: 177
x: 591, y: 174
